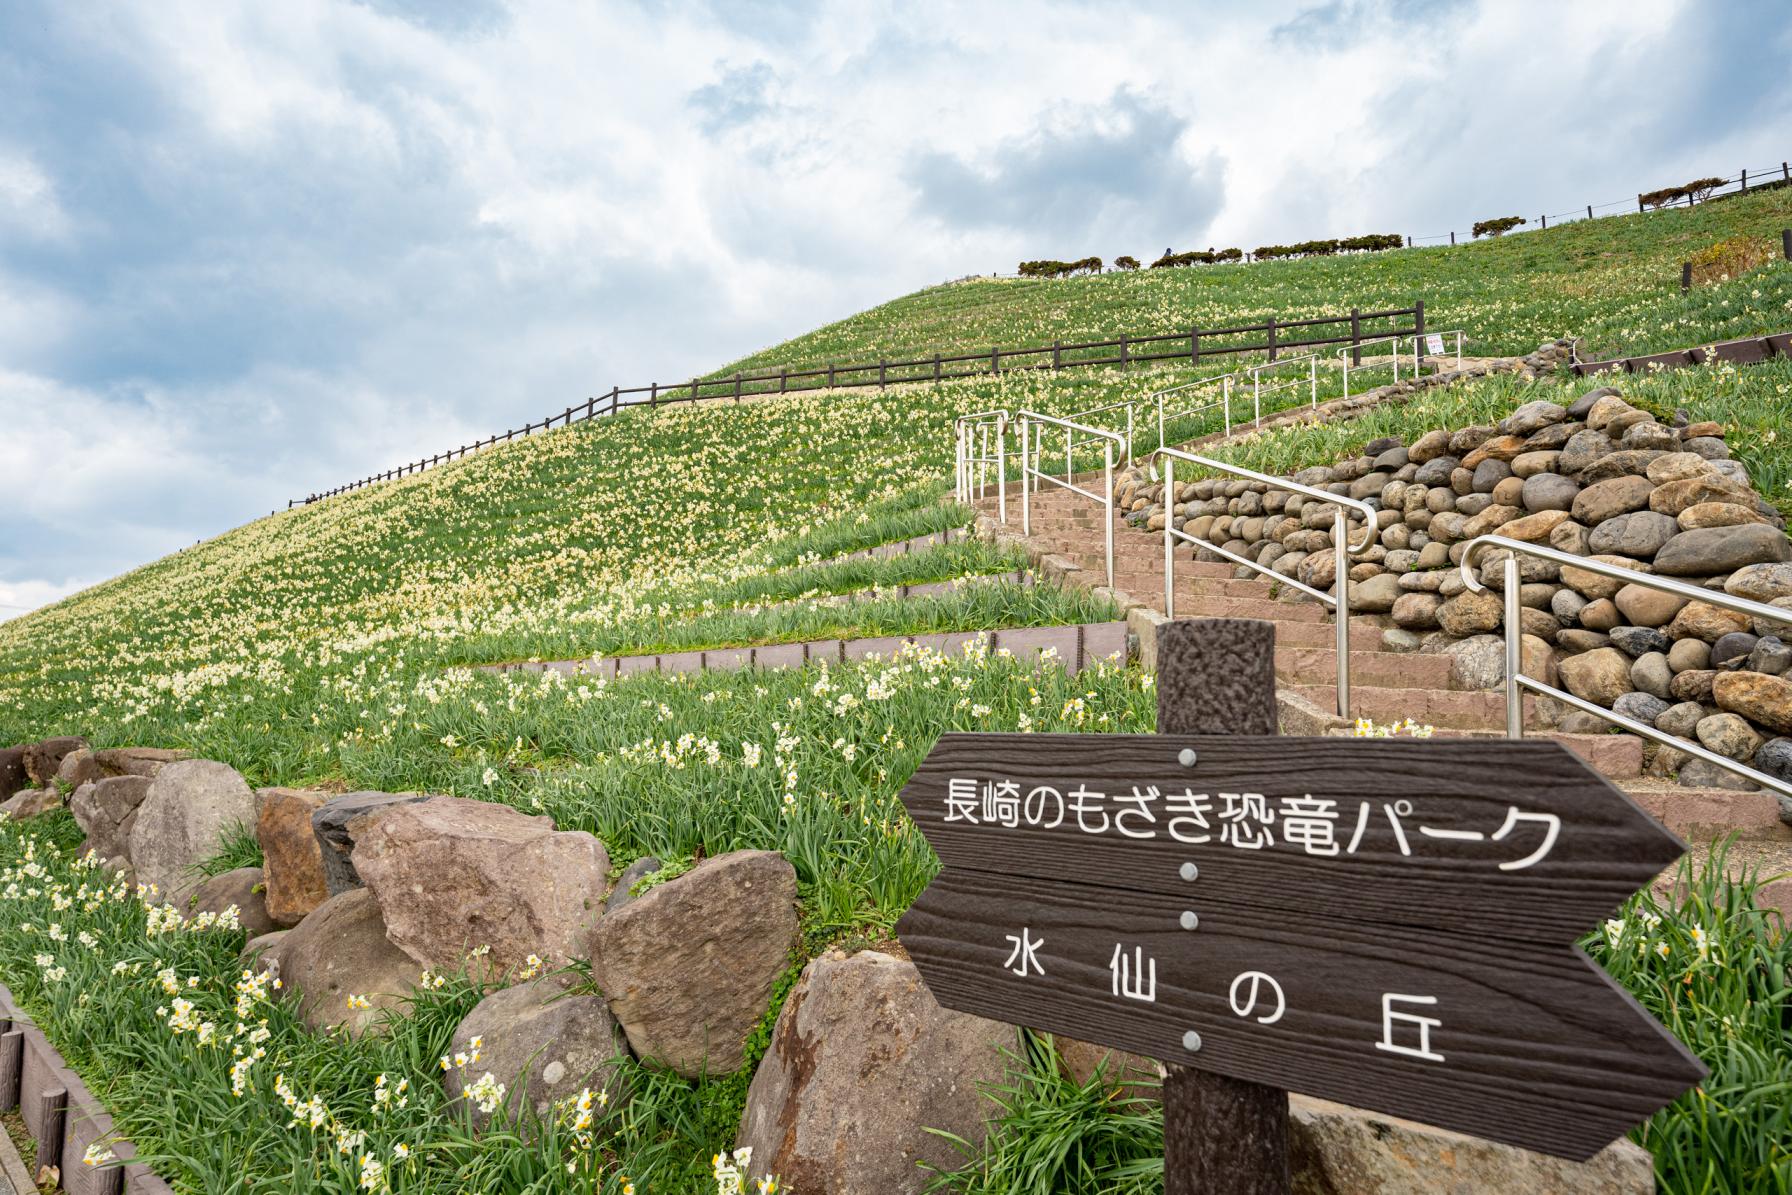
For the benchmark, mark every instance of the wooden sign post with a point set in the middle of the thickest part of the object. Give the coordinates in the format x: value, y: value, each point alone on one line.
x: 1382, y: 922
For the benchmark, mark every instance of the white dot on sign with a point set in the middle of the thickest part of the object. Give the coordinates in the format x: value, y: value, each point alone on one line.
x: 1189, y: 871
x: 1191, y: 1041
x: 1189, y: 920
x: 1186, y: 757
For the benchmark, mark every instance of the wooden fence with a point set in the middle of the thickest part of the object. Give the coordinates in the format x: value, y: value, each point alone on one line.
x: 1272, y: 336
x: 1750, y: 350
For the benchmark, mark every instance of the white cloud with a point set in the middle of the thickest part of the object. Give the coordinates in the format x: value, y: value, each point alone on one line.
x: 272, y: 248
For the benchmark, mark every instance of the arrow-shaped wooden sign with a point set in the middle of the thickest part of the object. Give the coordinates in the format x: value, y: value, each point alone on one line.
x: 1385, y: 923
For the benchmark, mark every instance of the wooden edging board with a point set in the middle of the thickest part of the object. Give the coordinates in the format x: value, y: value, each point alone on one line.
x: 62, y: 1116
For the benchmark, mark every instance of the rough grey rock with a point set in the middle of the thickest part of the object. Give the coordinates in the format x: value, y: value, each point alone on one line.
x: 862, y: 1064
x: 1775, y: 758
x: 341, y: 950
x: 336, y: 822
x: 1641, y: 534
x: 239, y: 889
x: 453, y: 876
x: 633, y: 874
x: 1760, y: 582
x: 1651, y: 674
x: 1335, y: 1150
x: 1729, y: 735
x: 1548, y: 491
x: 106, y: 810
x: 689, y: 966
x: 1733, y: 647
x: 545, y: 1046
x: 190, y: 810
x: 1682, y: 719
x: 31, y: 802
x: 1770, y: 655
x: 1689, y: 655
x: 1713, y: 550
x: 1696, y: 773
x: 1640, y: 641
x: 1644, y: 707
x: 43, y: 759
x: 1600, y: 676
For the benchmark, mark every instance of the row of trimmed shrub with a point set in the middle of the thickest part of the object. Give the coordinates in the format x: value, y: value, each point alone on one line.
x: 1494, y: 227
x: 1197, y: 257
x: 1697, y: 191
x: 1060, y: 269
x: 1374, y: 242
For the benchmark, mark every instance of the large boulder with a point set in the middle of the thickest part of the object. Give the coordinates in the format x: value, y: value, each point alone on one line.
x: 1641, y: 534
x: 338, y: 821
x: 1335, y: 1150
x: 863, y: 1064
x: 1600, y: 676
x: 107, y: 810
x: 1609, y: 499
x: 1673, y: 497
x: 545, y: 1046
x: 1711, y: 551
x: 292, y: 860
x: 239, y: 888
x: 12, y: 771
x: 191, y: 808
x: 31, y: 802
x: 136, y: 761
x: 453, y: 876
x: 341, y: 950
x: 43, y: 759
x: 1471, y: 613
x: 77, y: 768
x: 689, y: 966
x: 1760, y: 698
x: 1760, y: 582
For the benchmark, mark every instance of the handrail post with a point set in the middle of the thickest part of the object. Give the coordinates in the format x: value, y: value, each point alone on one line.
x: 1169, y: 543
x: 1341, y: 582
x: 1026, y: 506
x: 1514, y: 650
x: 1107, y: 463
x: 1226, y: 399
x: 1313, y: 379
x: 1257, y: 398
x: 1002, y: 468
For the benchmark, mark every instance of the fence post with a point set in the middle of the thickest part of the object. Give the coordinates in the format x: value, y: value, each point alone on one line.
x: 883, y: 374
x: 1057, y: 355
x: 52, y: 1113
x: 1786, y: 243
x: 784, y: 379
x: 615, y: 399
x: 1544, y: 219
x: 1589, y: 211
x: 1745, y: 178
x: 1418, y: 321
x: 737, y: 387
x: 1409, y: 242
x: 653, y: 395
x: 1639, y: 202
x: 830, y: 375
x: 995, y: 360
x: 1356, y: 341
x: 693, y: 389
x: 1122, y: 350
x: 1194, y: 347
x: 1271, y: 326
x: 1685, y: 276
x: 936, y: 369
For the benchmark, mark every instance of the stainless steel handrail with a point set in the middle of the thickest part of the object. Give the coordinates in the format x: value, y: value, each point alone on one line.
x: 1224, y: 381
x: 1341, y: 548
x: 965, y: 427
x: 1345, y: 353
x: 1516, y: 680
x: 1417, y: 356
x: 1127, y: 404
x: 1258, y: 390
x: 1029, y: 423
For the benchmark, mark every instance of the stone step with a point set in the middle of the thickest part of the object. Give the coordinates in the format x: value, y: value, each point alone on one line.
x: 1307, y: 666
x: 1463, y: 710
x: 1195, y: 587
x: 1703, y: 814
x: 1614, y: 756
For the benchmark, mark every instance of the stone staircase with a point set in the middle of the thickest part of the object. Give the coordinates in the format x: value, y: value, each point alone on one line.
x: 1386, y: 686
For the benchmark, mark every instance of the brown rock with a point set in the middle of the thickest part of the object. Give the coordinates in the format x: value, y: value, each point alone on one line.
x: 1713, y: 551
x: 341, y: 950
x: 864, y: 1067
x: 1619, y: 463
x: 291, y: 857
x: 77, y: 768
x: 1417, y: 611
x: 1429, y: 447
x: 1702, y: 620
x: 1127, y: 1076
x: 689, y: 966
x: 1718, y: 514
x: 1499, y: 448
x: 1676, y: 496
x: 1600, y: 676
x: 1488, y: 520
x: 106, y: 810
x: 1605, y: 410
x: 1692, y: 685
x: 1335, y: 1150
x: 1678, y: 466
x: 1471, y: 613
x: 1592, y: 585
x: 44, y: 758
x: 452, y: 876
x: 240, y: 889
x: 31, y: 802
x: 1535, y: 528
x: 1600, y: 615
x: 1646, y: 607
x: 136, y: 761
x: 545, y: 1046
x: 1756, y: 696
x: 1609, y: 499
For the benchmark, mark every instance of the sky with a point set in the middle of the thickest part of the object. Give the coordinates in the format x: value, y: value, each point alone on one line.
x: 249, y: 250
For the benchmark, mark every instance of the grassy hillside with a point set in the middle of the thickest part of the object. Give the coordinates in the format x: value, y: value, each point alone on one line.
x: 328, y: 646
x: 1615, y: 281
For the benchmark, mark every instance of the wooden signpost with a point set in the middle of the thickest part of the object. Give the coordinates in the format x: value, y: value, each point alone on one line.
x: 1388, y: 923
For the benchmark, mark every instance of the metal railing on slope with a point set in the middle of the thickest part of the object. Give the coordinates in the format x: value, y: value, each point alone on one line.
x: 1342, y: 549
x: 972, y: 457
x: 1033, y: 424
x: 1516, y: 680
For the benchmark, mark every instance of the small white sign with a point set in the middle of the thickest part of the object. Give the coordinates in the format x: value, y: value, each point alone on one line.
x: 1434, y: 344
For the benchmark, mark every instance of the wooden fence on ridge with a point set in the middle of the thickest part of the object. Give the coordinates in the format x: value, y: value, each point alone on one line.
x: 1273, y: 336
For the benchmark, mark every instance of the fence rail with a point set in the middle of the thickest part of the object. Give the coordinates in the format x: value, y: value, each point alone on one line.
x: 1192, y: 346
